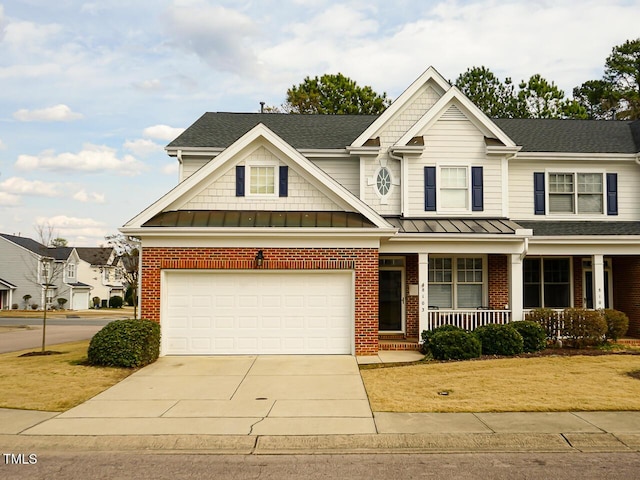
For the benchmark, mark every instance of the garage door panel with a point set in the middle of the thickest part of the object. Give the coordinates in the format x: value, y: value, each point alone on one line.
x: 257, y: 312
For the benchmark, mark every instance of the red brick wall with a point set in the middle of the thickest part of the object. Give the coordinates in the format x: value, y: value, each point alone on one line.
x: 626, y: 290
x: 498, y: 271
x: 363, y: 260
x: 577, y: 283
x: 412, y: 310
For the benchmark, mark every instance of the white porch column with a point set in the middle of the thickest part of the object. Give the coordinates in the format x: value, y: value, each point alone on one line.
x: 516, y: 296
x: 423, y: 294
x: 597, y: 262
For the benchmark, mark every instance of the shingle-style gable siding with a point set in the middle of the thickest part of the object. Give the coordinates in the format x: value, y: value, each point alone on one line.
x: 221, y: 194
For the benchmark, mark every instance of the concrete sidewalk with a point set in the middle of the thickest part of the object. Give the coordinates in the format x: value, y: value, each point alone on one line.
x: 313, y: 404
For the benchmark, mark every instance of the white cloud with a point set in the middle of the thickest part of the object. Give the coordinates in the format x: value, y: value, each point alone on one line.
x: 162, y: 132
x: 92, y: 159
x: 21, y: 186
x: 142, y: 147
x: 3, y: 145
x: 8, y: 200
x: 29, y: 36
x: 75, y: 228
x: 220, y: 36
x: 170, y: 169
x: 149, y: 85
x: 92, y: 197
x: 57, y: 113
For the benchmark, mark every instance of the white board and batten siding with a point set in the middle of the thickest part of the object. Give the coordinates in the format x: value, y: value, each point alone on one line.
x: 265, y: 312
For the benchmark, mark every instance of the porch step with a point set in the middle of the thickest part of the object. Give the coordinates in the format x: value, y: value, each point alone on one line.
x: 398, y: 344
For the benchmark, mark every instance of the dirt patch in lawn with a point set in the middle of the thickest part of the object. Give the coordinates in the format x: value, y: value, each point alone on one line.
x: 53, y: 382
x: 546, y: 382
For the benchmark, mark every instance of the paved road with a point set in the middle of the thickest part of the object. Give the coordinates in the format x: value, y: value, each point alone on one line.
x: 58, y: 331
x: 283, y: 467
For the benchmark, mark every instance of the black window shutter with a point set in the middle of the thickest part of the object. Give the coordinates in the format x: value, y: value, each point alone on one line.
x: 477, y: 191
x: 612, y: 194
x: 429, y: 189
x: 284, y: 181
x: 538, y: 193
x: 239, y: 180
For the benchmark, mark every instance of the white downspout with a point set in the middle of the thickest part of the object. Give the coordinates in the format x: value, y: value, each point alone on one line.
x: 403, y: 179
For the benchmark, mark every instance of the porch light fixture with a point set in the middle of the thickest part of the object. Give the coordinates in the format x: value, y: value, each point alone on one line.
x: 259, y: 260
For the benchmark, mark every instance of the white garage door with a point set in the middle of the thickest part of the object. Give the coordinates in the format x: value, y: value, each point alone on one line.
x: 263, y: 312
x: 80, y: 301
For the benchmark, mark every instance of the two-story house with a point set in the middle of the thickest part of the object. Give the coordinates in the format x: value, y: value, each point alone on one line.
x: 44, y: 273
x: 344, y: 234
x: 102, y: 269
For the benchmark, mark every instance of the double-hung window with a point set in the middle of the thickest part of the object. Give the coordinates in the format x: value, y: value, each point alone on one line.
x: 71, y: 270
x: 581, y: 193
x: 262, y: 180
x: 547, y: 282
x: 456, y: 282
x: 454, y: 188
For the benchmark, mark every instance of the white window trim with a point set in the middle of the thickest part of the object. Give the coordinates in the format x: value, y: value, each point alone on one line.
x: 454, y: 278
x: 575, y: 172
x: 276, y: 179
x: 71, y: 270
x: 374, y: 181
x: 439, y: 207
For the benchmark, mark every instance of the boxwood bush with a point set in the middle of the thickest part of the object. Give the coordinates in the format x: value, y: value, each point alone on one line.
x: 583, y: 327
x: 126, y: 343
x: 617, y: 323
x: 454, y: 345
x: 499, y: 339
x: 533, y: 335
x: 116, y: 301
x: 427, y: 335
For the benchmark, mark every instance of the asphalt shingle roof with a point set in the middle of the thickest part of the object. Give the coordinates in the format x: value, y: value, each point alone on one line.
x: 95, y: 255
x: 59, y: 253
x: 579, y: 136
x: 220, y: 130
x: 572, y: 228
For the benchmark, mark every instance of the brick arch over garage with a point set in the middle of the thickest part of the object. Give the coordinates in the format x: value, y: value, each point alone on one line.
x: 363, y: 261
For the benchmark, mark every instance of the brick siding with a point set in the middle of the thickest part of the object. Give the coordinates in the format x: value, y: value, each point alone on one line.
x: 364, y: 261
x: 498, y: 272
x: 626, y: 290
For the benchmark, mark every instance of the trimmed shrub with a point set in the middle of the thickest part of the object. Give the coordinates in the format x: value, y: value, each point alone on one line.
x: 548, y: 319
x: 499, y: 339
x: 534, y: 337
x: 454, y: 345
x: 583, y: 328
x: 61, y: 302
x: 116, y: 302
x: 617, y: 323
x: 126, y: 343
x: 428, y: 334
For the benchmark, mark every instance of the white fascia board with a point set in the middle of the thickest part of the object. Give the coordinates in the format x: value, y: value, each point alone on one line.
x: 364, y: 151
x: 458, y: 238
x: 317, y: 176
x: 594, y: 157
x: 429, y: 74
x: 195, y: 151
x: 586, y: 239
x: 325, y: 153
x: 455, y: 96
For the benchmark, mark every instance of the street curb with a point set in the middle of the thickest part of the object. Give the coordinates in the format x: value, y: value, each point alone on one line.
x: 327, y: 444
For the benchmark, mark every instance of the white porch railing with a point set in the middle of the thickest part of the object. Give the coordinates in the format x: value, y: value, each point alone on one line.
x: 466, y: 319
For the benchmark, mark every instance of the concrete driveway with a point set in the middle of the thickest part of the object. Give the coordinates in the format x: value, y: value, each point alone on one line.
x: 227, y: 395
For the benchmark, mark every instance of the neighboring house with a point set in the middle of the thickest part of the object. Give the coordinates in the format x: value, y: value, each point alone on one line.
x: 339, y: 234
x: 27, y: 266
x: 6, y: 294
x: 102, y: 269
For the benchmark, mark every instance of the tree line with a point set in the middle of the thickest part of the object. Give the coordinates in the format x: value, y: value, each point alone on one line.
x: 615, y: 96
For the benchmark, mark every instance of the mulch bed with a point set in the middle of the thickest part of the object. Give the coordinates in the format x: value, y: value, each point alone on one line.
x: 39, y: 354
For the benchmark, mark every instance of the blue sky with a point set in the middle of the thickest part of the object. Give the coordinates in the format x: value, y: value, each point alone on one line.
x: 91, y: 92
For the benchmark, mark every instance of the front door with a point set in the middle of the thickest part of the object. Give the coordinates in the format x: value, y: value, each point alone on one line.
x: 391, y: 298
x: 588, y: 286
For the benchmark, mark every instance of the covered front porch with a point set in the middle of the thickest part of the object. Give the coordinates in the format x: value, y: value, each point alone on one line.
x: 506, y: 289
